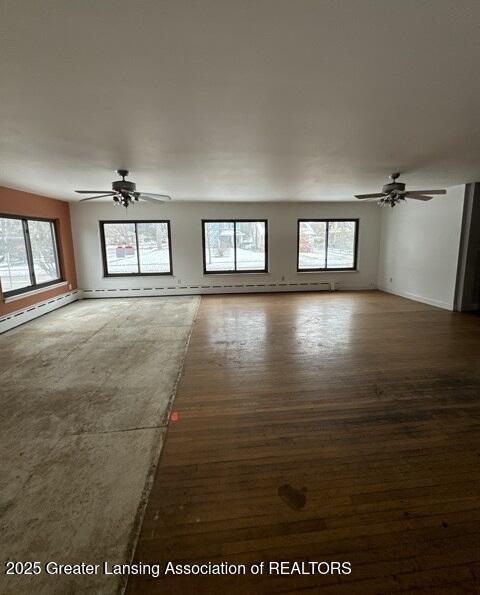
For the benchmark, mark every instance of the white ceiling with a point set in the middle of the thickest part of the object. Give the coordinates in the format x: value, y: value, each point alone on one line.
x: 239, y: 99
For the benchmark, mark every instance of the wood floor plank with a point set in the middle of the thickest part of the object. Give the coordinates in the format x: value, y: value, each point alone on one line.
x: 365, y: 405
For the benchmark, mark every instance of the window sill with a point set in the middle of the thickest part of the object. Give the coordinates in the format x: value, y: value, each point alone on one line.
x: 133, y: 275
x: 26, y: 294
x: 329, y: 272
x: 210, y: 273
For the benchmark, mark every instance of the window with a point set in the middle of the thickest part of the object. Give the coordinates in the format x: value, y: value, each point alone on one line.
x: 28, y: 254
x: 235, y: 246
x: 136, y: 248
x: 327, y: 244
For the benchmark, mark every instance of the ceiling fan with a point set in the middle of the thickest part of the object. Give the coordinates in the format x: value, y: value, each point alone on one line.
x: 124, y: 193
x: 394, y: 192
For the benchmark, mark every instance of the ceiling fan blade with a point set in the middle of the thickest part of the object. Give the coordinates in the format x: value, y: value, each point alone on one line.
x: 412, y: 192
x: 362, y: 196
x: 157, y: 201
x: 155, y: 196
x: 93, y: 197
x: 417, y: 196
x: 94, y: 192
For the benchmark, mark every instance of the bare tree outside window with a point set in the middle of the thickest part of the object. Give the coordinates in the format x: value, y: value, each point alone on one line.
x: 28, y: 254
x: 154, y: 248
x: 44, y: 252
x: 14, y: 270
x: 312, y: 244
x: 341, y: 244
x: 327, y: 244
x: 235, y: 246
x: 219, y: 245
x: 136, y: 248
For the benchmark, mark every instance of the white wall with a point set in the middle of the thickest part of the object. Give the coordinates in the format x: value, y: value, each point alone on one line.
x: 419, y: 248
x: 188, y: 277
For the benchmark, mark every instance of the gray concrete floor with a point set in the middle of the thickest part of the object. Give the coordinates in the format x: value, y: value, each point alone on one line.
x: 85, y: 393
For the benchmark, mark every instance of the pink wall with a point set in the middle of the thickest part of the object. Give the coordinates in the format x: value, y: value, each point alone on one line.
x: 16, y: 202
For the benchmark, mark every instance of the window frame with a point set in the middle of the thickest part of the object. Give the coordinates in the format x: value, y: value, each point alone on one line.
x: 234, y: 271
x: 135, y: 222
x: 327, y: 268
x: 28, y: 249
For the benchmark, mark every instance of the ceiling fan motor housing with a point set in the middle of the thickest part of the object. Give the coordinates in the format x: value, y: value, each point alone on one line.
x: 393, y: 187
x: 123, y: 186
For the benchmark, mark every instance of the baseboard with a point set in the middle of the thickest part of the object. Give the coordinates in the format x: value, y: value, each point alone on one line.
x: 13, y: 319
x: 418, y: 298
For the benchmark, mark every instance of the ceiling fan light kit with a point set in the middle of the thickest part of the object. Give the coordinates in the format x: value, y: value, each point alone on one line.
x: 395, y: 192
x: 124, y: 192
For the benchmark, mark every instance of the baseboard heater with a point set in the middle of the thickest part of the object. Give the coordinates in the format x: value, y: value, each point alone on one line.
x: 13, y: 319
x: 210, y: 289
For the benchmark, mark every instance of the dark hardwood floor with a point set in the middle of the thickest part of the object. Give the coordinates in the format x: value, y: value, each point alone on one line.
x: 322, y: 427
